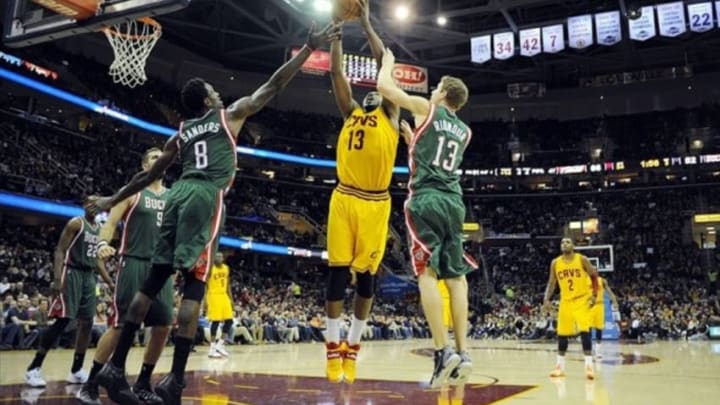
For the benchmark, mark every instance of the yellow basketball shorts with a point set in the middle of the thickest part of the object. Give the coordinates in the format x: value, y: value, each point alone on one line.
x: 219, y: 308
x: 357, y: 231
x: 597, y: 316
x: 574, y: 316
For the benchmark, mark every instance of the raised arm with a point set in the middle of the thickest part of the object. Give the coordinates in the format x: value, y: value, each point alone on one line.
x: 550, y: 288
x: 418, y: 106
x: 116, y: 214
x: 377, y: 49
x: 140, y: 180
x: 340, y: 83
x: 105, y: 251
x: 249, y: 105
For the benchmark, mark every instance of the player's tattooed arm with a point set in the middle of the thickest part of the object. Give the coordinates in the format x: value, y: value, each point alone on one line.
x: 418, y: 106
x: 105, y: 251
x: 140, y: 180
x: 249, y: 105
x: 340, y: 83
x: 378, y: 49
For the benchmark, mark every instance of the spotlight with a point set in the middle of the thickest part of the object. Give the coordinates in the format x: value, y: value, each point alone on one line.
x: 323, y: 6
x: 402, y: 12
x: 442, y: 20
x: 634, y: 11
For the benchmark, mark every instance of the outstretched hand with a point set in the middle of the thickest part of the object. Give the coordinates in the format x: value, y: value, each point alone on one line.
x: 388, y: 58
x: 364, y: 6
x: 406, y: 131
x: 96, y: 204
x: 330, y: 33
x: 547, y: 306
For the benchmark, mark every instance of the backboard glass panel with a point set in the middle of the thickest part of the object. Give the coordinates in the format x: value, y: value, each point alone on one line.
x: 600, y: 256
x: 26, y: 23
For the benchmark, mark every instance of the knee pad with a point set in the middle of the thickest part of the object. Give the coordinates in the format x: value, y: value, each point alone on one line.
x: 156, y: 279
x: 586, y: 341
x: 562, y: 344
x: 337, y: 281
x: 194, y: 289
x: 365, y: 285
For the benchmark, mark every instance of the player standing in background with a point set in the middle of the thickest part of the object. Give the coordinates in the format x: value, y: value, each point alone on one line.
x: 435, y: 212
x: 359, y: 206
x: 73, y: 290
x: 219, y: 306
x: 571, y: 270
x: 141, y: 216
x: 597, y: 313
x: 190, y: 229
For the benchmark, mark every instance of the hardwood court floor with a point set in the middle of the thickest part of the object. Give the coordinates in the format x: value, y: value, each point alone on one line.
x: 506, y: 372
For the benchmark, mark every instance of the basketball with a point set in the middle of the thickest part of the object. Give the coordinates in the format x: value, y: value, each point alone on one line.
x: 347, y: 10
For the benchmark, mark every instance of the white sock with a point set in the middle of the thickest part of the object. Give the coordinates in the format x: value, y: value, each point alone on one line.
x: 561, y: 362
x: 333, y: 330
x: 356, y: 328
x: 588, y: 361
x: 597, y: 347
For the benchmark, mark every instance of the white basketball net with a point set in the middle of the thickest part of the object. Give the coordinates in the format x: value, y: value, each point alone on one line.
x: 132, y: 42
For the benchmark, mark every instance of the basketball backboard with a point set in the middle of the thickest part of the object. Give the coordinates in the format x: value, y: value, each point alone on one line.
x: 600, y: 256
x: 30, y: 22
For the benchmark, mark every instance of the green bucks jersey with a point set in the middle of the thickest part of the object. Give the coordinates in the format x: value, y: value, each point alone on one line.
x: 141, y: 224
x: 436, y: 152
x: 207, y: 147
x: 82, y: 252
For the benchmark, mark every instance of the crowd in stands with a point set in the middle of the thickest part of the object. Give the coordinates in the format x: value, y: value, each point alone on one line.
x: 660, y: 272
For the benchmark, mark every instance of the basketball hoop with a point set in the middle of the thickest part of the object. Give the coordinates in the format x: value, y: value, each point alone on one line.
x: 132, y: 42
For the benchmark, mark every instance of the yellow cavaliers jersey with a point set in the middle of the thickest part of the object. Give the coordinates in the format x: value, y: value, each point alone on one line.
x: 572, y: 278
x: 218, y: 280
x: 366, y: 150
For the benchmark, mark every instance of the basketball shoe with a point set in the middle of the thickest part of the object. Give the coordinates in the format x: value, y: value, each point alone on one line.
x: 170, y: 390
x: 78, y: 377
x: 146, y: 395
x: 113, y: 380
x: 446, y: 360
x: 350, y: 353
x: 462, y: 372
x: 220, y: 348
x: 88, y: 394
x: 589, y: 372
x: 214, y: 353
x: 334, y: 365
x: 558, y: 371
x: 34, y: 378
